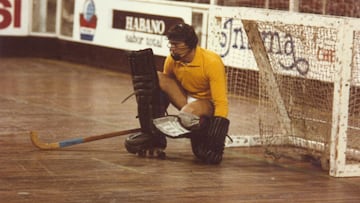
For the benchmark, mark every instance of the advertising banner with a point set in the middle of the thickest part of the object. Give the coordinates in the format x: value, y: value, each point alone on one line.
x: 299, y: 45
x: 126, y: 25
x: 14, y: 17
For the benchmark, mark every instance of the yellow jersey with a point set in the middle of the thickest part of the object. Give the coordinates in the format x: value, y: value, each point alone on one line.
x: 203, y: 78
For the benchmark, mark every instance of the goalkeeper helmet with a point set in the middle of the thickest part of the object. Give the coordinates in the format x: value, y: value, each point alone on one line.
x: 184, y: 33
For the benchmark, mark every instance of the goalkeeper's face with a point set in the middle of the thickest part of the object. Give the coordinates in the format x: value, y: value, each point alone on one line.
x: 178, y: 50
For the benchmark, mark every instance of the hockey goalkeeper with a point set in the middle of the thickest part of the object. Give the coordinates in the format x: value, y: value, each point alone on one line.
x: 194, y: 81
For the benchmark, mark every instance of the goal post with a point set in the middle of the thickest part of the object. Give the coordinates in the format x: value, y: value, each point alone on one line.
x: 300, y: 76
x: 348, y: 62
x: 266, y: 73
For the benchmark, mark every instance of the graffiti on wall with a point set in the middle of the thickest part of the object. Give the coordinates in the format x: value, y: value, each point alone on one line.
x: 286, y: 49
x: 276, y: 43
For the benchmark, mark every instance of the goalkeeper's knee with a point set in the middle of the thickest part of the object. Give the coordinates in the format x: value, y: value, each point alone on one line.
x: 193, y: 122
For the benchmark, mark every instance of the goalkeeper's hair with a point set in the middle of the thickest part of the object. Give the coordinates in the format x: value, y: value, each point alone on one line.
x: 184, y: 33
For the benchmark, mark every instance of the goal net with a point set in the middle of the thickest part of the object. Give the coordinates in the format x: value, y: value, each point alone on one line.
x: 294, y: 83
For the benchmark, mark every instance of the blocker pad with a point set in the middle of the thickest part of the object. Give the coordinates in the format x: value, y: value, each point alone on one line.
x: 171, y: 126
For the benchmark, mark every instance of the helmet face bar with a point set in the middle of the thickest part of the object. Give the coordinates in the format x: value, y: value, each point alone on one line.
x: 182, y: 40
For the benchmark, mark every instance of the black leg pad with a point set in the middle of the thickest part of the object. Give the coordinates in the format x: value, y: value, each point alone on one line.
x: 209, y: 147
x: 146, y: 87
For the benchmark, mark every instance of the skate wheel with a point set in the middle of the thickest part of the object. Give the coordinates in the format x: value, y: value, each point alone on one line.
x: 161, y: 155
x: 142, y: 153
x: 151, y: 152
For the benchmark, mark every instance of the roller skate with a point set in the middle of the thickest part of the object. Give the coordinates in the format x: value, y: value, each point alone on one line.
x: 146, y: 145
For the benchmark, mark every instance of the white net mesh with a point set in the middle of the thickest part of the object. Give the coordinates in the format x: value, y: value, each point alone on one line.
x: 303, y: 78
x: 284, y: 97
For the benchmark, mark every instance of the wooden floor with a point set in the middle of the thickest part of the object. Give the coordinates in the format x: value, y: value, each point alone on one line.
x: 61, y: 100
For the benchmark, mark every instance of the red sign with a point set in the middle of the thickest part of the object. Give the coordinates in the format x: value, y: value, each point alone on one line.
x: 10, y: 13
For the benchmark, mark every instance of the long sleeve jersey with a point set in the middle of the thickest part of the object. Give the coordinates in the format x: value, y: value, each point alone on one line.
x: 203, y: 78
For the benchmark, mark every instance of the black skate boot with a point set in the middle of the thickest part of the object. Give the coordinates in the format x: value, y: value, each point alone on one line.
x: 145, y: 144
x: 151, y: 104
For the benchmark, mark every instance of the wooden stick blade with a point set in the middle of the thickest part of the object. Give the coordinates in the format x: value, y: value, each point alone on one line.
x: 41, y: 145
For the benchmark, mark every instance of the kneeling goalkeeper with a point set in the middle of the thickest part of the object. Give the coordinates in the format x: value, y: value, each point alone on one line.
x: 194, y: 81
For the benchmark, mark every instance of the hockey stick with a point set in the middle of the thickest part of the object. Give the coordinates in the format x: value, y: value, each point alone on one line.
x: 66, y: 143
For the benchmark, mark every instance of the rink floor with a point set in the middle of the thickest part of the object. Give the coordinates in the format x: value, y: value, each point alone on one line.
x: 61, y: 100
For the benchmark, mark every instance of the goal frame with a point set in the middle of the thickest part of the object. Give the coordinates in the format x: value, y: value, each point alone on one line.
x: 346, y: 28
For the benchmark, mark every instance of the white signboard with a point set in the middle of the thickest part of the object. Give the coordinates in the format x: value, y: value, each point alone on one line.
x: 126, y: 25
x: 299, y: 45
